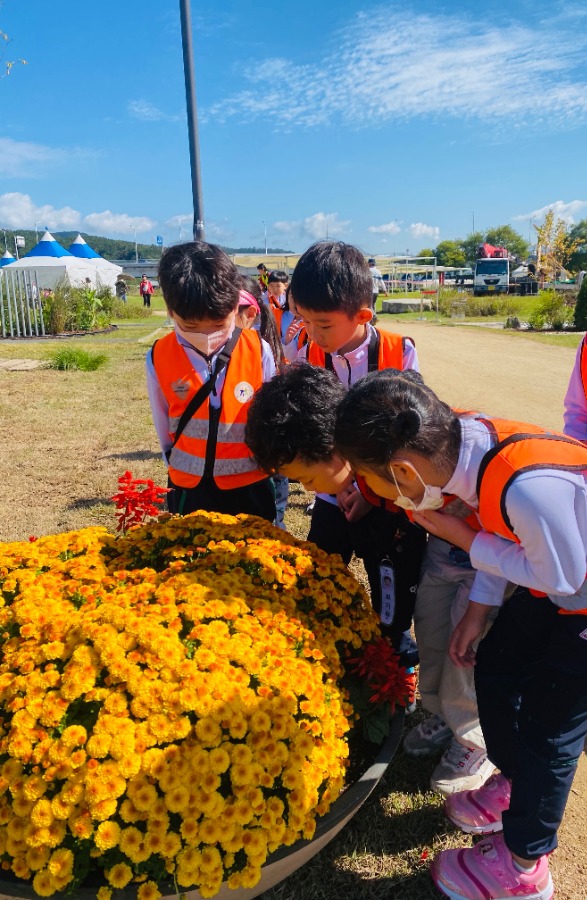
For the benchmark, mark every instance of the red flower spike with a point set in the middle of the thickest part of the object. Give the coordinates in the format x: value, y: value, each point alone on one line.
x: 136, y: 499
x: 387, y: 680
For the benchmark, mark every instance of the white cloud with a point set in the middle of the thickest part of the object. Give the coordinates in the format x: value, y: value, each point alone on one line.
x: 24, y: 159
x: 420, y: 230
x: 148, y: 112
x: 393, y: 65
x: 314, y: 228
x: 107, y: 222
x: 562, y: 210
x: 18, y: 211
x: 390, y: 228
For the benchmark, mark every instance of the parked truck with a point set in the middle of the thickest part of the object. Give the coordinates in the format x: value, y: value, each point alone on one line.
x: 492, y: 270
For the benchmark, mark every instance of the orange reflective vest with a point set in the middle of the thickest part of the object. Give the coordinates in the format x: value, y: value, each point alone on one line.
x: 386, y: 351
x: 520, y: 448
x: 213, y: 441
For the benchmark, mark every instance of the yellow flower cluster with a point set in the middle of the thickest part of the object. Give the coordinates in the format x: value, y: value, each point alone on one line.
x: 169, y: 701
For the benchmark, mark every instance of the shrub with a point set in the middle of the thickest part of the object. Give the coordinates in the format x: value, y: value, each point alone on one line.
x: 552, y: 312
x: 74, y: 358
x: 472, y: 307
x: 580, y: 317
x: 120, y: 310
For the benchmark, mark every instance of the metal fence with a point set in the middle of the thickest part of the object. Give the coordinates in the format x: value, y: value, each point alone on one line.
x: 21, y: 306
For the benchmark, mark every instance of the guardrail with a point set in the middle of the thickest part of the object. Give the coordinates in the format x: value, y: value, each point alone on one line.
x: 21, y: 306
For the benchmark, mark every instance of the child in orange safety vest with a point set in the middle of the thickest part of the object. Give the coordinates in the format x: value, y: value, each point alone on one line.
x: 528, y: 487
x: 331, y: 291
x: 201, y: 379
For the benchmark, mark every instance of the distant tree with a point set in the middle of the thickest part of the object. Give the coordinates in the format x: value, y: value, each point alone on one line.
x: 427, y: 251
x: 554, y: 245
x: 6, y: 64
x: 580, y: 317
x: 578, y: 258
x: 508, y: 237
x: 470, y: 245
x: 450, y: 253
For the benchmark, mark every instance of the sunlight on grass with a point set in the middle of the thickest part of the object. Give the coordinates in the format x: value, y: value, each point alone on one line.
x: 74, y: 358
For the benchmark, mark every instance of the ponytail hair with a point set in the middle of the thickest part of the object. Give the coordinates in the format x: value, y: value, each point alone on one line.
x: 388, y: 412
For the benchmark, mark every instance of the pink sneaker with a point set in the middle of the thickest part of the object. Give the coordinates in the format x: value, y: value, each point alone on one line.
x: 487, y: 872
x: 479, y: 811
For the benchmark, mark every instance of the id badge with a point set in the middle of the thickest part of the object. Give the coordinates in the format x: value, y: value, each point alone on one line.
x: 387, y: 578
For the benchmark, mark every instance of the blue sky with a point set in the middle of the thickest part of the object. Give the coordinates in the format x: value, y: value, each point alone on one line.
x: 389, y: 125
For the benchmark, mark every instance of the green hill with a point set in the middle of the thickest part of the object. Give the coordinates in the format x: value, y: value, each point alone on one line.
x: 109, y: 248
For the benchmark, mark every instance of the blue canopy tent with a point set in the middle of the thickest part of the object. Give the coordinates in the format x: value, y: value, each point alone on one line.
x: 82, y: 249
x: 6, y: 259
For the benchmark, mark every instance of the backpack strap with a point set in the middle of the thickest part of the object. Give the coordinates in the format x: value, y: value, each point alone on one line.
x: 206, y: 389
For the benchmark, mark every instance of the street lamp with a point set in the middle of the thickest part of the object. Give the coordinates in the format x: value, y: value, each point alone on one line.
x: 530, y: 232
x: 265, y: 232
x: 192, y: 115
x: 136, y: 247
x: 179, y: 221
x: 37, y: 232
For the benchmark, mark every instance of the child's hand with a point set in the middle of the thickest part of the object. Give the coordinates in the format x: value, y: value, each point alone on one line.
x: 448, y: 528
x: 356, y: 507
x: 292, y: 330
x: 462, y: 647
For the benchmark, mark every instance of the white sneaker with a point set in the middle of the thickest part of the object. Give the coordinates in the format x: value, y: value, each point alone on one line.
x: 461, y: 769
x: 429, y: 737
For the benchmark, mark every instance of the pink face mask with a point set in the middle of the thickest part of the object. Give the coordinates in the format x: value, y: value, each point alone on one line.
x: 207, y: 344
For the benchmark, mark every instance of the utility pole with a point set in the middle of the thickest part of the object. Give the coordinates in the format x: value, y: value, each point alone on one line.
x: 190, y: 91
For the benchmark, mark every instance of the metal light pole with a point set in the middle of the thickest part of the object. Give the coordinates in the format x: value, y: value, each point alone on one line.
x: 136, y: 246
x: 530, y: 233
x: 265, y: 232
x: 190, y: 91
x: 36, y: 232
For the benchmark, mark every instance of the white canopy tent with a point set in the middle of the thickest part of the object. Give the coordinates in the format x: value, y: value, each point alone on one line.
x: 52, y: 264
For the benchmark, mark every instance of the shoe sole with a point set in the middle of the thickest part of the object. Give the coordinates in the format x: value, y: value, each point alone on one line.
x: 490, y: 828
x: 433, y: 751
x: 546, y: 894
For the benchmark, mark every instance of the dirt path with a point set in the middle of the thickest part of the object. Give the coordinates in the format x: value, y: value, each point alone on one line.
x: 517, y: 379
x: 496, y: 373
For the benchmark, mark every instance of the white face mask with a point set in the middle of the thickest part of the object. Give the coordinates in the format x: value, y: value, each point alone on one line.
x: 207, y: 344
x: 431, y: 499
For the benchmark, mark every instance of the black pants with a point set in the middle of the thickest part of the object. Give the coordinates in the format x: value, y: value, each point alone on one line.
x: 147, y: 300
x: 377, y: 536
x: 256, y: 499
x: 531, y: 683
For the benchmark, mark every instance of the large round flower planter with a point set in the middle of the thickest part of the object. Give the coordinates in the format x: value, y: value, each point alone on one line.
x: 280, y: 864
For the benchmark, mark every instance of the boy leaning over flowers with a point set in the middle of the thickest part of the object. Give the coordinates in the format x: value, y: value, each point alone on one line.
x: 201, y: 379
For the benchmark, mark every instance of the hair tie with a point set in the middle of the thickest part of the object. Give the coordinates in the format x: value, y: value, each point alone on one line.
x: 407, y: 423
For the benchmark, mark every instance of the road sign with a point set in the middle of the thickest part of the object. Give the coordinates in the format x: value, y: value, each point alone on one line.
x: 159, y: 240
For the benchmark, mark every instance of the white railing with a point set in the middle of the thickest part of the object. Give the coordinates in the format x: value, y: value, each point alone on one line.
x: 21, y: 306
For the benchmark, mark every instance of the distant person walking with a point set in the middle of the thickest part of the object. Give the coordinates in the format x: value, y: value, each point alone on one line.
x: 120, y: 287
x: 263, y: 276
x: 378, y: 285
x: 146, y: 289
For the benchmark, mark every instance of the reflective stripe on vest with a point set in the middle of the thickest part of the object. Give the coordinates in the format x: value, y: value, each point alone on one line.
x: 386, y: 351
x: 232, y: 462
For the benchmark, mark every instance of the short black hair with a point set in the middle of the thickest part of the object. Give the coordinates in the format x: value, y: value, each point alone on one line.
x: 262, y: 266
x: 294, y: 415
x: 332, y: 276
x: 388, y: 412
x: 199, y: 281
x: 277, y: 275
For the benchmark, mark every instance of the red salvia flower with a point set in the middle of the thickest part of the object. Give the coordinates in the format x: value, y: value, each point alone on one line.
x: 387, y: 680
x: 136, y: 499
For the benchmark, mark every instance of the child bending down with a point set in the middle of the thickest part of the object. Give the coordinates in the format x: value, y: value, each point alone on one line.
x: 528, y: 487
x: 290, y: 429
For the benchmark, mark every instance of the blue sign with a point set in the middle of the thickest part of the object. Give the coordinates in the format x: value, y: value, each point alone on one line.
x: 159, y: 240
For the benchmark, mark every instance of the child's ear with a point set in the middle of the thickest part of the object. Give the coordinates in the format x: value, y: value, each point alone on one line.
x: 364, y: 315
x: 403, y: 470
